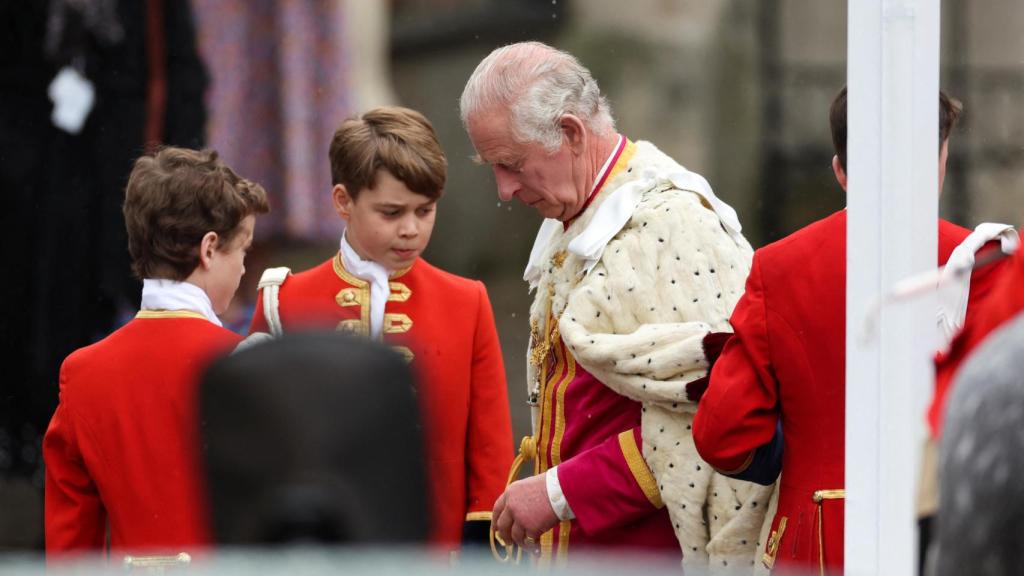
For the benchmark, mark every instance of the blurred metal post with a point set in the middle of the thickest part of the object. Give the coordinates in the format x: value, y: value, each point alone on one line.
x: 892, y: 199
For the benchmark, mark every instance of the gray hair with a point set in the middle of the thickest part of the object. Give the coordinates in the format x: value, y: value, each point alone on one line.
x: 536, y: 84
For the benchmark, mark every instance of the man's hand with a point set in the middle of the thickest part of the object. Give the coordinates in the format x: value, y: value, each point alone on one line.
x: 524, y: 512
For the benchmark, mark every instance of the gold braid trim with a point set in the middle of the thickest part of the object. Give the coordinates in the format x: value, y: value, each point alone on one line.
x: 773, y: 545
x: 638, y: 466
x: 819, y: 498
x: 538, y: 347
x: 170, y: 314
x: 741, y: 467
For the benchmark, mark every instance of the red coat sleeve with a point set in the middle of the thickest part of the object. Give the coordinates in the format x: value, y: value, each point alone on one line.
x: 75, y: 516
x: 737, y: 413
x: 610, y: 484
x: 489, y: 441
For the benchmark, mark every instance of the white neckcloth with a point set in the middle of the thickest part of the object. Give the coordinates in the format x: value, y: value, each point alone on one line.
x: 163, y: 294
x: 377, y: 276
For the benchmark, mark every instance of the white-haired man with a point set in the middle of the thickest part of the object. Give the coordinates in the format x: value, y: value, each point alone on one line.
x: 637, y: 267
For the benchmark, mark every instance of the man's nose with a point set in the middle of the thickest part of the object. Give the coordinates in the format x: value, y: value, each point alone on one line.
x: 508, y: 184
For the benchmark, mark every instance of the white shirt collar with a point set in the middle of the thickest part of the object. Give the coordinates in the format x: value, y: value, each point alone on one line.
x: 374, y: 273
x: 163, y: 294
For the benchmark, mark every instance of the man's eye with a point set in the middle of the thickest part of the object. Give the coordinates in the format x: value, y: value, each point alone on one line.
x: 391, y: 212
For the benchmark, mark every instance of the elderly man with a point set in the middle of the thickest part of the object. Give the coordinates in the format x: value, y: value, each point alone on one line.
x: 635, y: 265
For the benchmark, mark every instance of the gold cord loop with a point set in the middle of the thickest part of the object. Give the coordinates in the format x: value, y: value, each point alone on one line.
x: 527, y: 453
x: 819, y: 498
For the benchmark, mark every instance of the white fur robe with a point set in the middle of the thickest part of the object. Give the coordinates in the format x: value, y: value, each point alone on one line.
x: 636, y: 322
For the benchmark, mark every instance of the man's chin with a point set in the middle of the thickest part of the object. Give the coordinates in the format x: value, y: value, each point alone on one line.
x: 561, y: 214
x: 549, y: 211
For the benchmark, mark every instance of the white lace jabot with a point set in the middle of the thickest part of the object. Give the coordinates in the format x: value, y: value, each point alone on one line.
x: 377, y: 276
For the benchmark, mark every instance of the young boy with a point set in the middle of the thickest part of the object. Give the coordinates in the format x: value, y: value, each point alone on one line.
x: 388, y: 172
x: 122, y: 448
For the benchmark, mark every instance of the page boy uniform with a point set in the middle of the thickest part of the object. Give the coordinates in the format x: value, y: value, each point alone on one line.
x: 122, y: 448
x: 444, y: 325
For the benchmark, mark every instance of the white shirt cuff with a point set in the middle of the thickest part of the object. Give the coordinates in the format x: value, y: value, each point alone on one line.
x: 556, y: 497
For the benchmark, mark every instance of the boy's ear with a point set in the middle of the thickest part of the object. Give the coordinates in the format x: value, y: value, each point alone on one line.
x: 342, y: 201
x: 207, y: 247
x: 837, y: 169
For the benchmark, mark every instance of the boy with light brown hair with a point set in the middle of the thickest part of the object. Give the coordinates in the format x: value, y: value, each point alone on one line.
x: 388, y: 173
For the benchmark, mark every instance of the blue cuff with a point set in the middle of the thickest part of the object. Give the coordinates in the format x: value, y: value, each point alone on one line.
x: 766, y: 465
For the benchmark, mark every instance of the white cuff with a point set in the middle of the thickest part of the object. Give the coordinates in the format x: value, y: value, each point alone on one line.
x: 556, y: 497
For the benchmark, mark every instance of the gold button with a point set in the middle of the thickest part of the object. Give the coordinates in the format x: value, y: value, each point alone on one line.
x: 348, y: 296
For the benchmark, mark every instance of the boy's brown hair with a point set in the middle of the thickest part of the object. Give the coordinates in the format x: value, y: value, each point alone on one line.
x: 949, y: 112
x: 392, y: 138
x: 174, y: 197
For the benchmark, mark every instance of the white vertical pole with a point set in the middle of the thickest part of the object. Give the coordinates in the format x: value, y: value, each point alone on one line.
x: 892, y: 200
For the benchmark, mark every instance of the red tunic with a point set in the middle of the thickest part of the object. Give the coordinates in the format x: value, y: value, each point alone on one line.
x: 1005, y: 300
x: 787, y: 361
x: 123, y: 445
x: 445, y: 324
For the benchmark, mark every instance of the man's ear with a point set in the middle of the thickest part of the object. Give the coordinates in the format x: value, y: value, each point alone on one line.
x: 207, y: 246
x: 342, y: 201
x: 574, y: 131
x: 837, y: 169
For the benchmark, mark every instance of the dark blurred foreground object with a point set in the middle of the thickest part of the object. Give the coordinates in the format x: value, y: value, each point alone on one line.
x: 981, y: 506
x: 313, y: 438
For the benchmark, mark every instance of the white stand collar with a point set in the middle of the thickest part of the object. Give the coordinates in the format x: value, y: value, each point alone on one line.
x: 163, y: 294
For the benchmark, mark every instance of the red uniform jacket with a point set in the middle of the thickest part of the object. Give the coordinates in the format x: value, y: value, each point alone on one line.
x: 123, y: 444
x: 445, y: 325
x: 786, y: 361
x: 1005, y: 300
